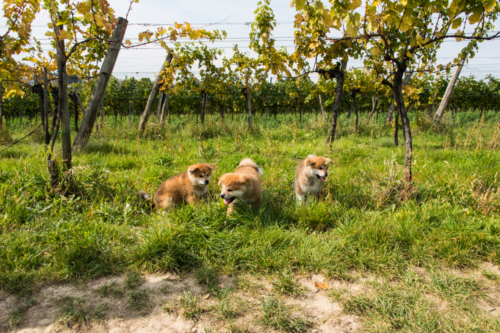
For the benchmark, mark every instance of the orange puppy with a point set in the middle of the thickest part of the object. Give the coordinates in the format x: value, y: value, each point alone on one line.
x: 188, y: 187
x: 309, y: 178
x: 244, y: 184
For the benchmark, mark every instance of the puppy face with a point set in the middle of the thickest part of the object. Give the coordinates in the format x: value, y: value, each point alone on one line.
x: 200, y: 173
x: 233, y: 185
x: 317, y: 166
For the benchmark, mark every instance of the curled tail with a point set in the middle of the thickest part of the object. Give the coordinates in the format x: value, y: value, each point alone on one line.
x: 249, y: 163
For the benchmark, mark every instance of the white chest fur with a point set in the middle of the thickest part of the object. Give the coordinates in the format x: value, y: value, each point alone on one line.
x: 313, y: 186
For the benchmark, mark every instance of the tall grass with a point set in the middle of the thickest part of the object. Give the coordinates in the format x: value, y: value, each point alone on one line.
x: 451, y: 219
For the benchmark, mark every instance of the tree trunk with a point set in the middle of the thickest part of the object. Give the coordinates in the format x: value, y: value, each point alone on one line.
x: 388, y: 118
x: 374, y: 107
x: 203, y: 107
x: 249, y: 105
x: 355, y: 107
x: 54, y: 91
x: 397, y: 88
x: 1, y: 105
x: 90, y: 116
x: 164, y: 109
x: 339, y: 76
x: 63, y: 99
x: 396, y: 129
x: 322, y: 108
x: 268, y: 93
x: 448, y: 93
x: 46, y: 108
x: 152, y: 95
x: 129, y: 113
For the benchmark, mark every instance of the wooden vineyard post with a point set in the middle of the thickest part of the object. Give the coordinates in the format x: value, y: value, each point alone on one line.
x: 158, y: 109
x: 46, y: 108
x: 164, y: 109
x: 63, y: 98
x: 152, y: 95
x: 249, y: 106
x: 88, y: 121
x: 448, y: 93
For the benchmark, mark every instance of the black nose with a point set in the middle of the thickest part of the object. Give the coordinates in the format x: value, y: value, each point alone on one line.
x: 222, y: 196
x: 207, y: 181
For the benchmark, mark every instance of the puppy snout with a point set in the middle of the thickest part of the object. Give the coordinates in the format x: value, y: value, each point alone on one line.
x: 222, y: 195
x: 207, y: 181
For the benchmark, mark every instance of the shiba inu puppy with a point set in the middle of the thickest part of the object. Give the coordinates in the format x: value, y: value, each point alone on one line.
x: 188, y: 187
x: 309, y: 178
x: 244, y: 184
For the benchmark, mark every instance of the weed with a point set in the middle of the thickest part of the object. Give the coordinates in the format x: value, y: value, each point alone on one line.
x: 110, y: 290
x: 226, y: 308
x: 134, y: 280
x: 139, y: 300
x: 490, y: 275
x: 453, y: 287
x: 18, y: 314
x: 190, y: 305
x: 287, y: 285
x: 73, y: 313
x: 277, y: 315
x: 207, y: 277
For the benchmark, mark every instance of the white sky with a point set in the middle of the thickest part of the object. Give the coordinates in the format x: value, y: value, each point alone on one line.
x: 147, y: 60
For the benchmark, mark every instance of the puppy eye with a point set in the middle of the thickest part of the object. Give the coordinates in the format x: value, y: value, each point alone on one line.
x: 229, y: 190
x: 321, y: 168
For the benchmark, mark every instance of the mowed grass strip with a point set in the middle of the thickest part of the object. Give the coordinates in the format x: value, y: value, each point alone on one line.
x: 451, y: 217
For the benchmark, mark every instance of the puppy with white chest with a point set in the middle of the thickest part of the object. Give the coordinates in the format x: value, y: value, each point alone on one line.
x: 188, y: 186
x: 310, y: 176
x: 242, y: 185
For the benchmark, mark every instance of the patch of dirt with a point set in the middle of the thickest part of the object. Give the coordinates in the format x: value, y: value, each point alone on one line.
x: 316, y: 306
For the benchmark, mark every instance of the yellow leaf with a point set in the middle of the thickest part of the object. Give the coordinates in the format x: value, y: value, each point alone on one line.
x: 354, y: 4
x: 128, y: 42
x: 322, y: 286
x: 409, y: 55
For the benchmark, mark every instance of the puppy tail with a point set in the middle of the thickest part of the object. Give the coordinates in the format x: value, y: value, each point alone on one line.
x: 143, y: 195
x: 249, y: 163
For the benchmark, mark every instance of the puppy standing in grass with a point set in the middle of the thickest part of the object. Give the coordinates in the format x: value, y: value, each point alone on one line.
x: 244, y: 184
x: 310, y: 176
x: 188, y: 187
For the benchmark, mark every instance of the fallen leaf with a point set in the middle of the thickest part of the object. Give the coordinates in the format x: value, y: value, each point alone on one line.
x: 322, y: 286
x: 206, y: 296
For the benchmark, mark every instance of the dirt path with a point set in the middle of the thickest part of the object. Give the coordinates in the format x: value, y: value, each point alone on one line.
x: 164, y: 303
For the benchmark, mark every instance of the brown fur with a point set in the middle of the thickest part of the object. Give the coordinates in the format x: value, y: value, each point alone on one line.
x: 184, y: 187
x: 244, y: 185
x: 306, y: 179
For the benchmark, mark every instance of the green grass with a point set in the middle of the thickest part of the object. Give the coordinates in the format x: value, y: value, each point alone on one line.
x: 450, y: 220
x: 277, y: 315
x: 72, y: 312
x: 286, y: 285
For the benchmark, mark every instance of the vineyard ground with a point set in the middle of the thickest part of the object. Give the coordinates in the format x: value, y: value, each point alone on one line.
x: 103, y: 261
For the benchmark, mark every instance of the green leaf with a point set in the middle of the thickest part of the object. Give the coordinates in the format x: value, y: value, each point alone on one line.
x: 457, y: 22
x: 476, y: 16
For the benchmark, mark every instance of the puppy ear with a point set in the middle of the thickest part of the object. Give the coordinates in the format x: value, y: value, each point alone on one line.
x: 309, y: 161
x: 210, y: 166
x: 192, y: 168
x: 244, y: 179
x: 221, y: 179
